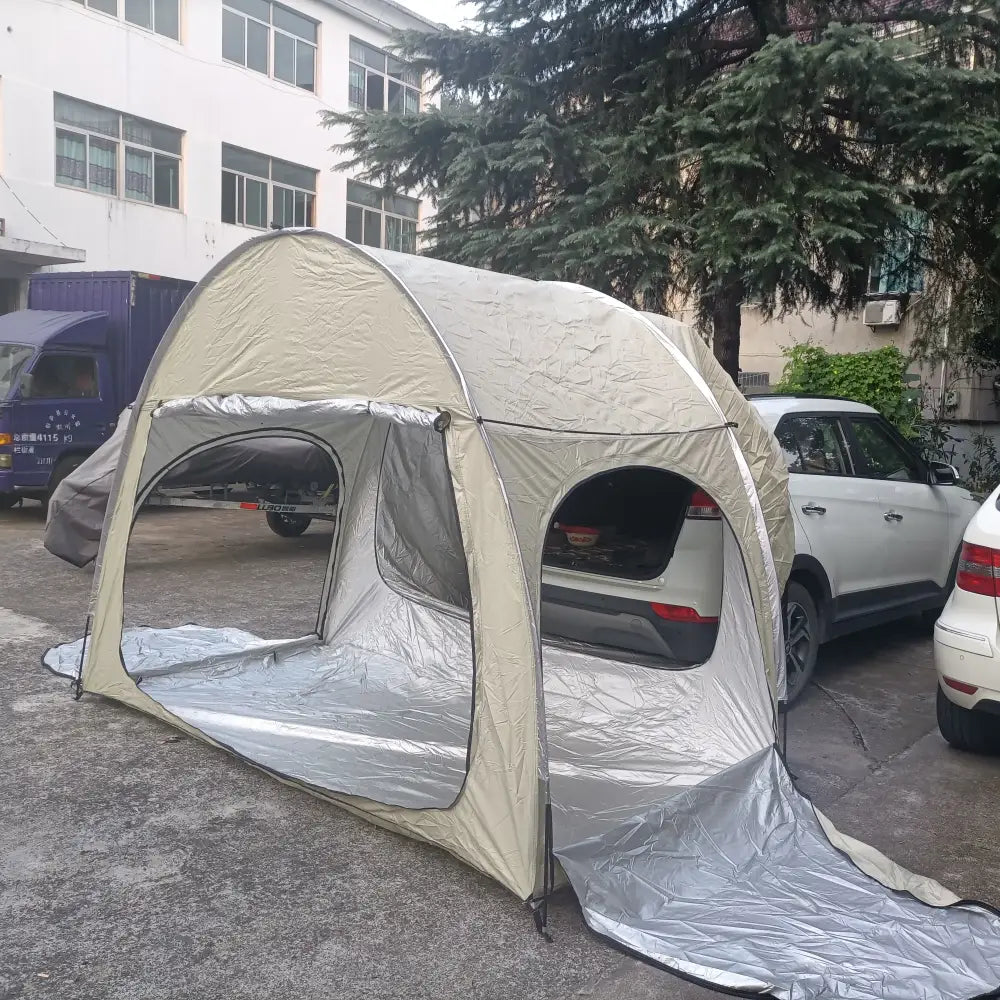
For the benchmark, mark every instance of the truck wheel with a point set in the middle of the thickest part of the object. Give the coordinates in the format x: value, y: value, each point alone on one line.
x: 9, y: 500
x: 287, y: 525
x: 965, y: 729
x: 802, y: 627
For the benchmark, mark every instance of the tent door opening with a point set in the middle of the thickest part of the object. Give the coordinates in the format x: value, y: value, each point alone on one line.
x: 347, y: 703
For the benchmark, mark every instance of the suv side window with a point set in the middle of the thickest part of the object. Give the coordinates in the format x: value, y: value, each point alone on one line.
x: 882, y: 455
x: 814, y: 444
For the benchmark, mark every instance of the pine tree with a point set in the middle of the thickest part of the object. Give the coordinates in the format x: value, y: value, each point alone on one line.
x: 711, y: 151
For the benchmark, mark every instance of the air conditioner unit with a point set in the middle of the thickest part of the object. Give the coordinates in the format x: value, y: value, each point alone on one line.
x: 881, y: 312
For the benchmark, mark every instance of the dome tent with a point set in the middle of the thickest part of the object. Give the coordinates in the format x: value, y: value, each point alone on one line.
x: 460, y: 407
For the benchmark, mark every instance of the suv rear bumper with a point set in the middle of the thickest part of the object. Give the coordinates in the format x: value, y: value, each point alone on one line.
x: 969, y: 659
x: 623, y: 626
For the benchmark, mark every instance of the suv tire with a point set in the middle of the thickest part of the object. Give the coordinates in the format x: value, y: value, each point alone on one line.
x: 802, y: 631
x: 965, y: 729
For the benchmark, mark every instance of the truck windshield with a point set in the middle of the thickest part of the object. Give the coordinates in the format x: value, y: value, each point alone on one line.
x: 12, y: 359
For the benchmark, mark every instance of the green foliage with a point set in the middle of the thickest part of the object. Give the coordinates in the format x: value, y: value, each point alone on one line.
x: 983, y: 473
x: 722, y: 151
x: 876, y: 378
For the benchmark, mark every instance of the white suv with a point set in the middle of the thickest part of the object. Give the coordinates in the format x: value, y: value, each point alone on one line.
x: 967, y: 640
x: 633, y: 561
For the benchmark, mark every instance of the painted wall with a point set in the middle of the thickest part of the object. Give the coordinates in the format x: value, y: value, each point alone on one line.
x: 59, y: 46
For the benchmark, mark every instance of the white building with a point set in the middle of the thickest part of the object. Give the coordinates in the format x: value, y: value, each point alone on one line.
x: 156, y: 135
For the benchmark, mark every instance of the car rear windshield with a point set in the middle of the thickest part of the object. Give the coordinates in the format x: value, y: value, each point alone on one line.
x: 623, y: 523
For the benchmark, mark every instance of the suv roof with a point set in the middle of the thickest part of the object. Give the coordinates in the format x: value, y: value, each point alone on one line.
x: 773, y: 408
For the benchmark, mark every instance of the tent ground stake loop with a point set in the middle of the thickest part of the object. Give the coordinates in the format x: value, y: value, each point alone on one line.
x: 77, y: 685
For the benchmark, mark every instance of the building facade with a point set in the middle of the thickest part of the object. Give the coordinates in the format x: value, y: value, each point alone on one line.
x: 157, y: 135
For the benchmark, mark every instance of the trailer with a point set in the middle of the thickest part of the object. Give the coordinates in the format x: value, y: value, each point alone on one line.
x: 288, y: 514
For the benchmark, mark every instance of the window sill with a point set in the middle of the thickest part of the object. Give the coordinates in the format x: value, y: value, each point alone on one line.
x: 243, y: 225
x: 115, y: 197
x: 276, y: 81
x: 122, y: 23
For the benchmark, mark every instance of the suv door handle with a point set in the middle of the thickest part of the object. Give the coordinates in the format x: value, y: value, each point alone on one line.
x: 891, y: 515
x: 811, y: 508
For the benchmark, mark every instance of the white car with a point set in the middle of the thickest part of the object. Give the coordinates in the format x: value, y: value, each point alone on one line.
x: 634, y: 557
x: 967, y: 640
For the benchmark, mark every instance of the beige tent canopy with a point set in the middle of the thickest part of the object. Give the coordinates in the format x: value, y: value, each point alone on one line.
x: 460, y: 407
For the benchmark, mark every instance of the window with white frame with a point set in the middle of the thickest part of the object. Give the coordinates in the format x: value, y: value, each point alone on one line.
x: 161, y: 16
x: 107, y: 152
x: 271, y: 39
x: 380, y: 82
x: 262, y: 192
x: 381, y: 220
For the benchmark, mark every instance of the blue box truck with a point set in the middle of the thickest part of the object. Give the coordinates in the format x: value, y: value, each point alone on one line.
x: 69, y: 364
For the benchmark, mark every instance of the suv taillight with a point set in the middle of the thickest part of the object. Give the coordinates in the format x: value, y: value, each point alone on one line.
x: 701, y: 507
x: 979, y: 570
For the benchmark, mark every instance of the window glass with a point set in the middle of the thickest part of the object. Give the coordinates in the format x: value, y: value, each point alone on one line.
x: 401, y: 205
x: 303, y: 208
x: 146, y: 133
x: 256, y: 211
x: 260, y: 9
x: 813, y: 445
x: 411, y: 102
x: 64, y: 376
x: 138, y: 174
x: 283, y: 213
x: 234, y: 38
x: 305, y: 66
x: 244, y: 161
x: 356, y: 86
x: 166, y: 181
x: 167, y: 19
x: 373, y: 229
x: 139, y: 12
x: 296, y: 176
x: 354, y: 230
x: 884, y: 457
x: 395, y: 97
x: 102, y: 173
x: 284, y: 57
x: 363, y: 194
x: 293, y: 23
x: 107, y: 6
x: 71, y: 159
x: 400, y: 234
x: 87, y: 116
x: 258, y: 36
x: 229, y: 182
x: 375, y: 92
x: 367, y: 55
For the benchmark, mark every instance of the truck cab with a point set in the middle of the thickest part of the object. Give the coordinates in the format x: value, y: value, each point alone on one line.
x: 56, y: 404
x: 69, y: 364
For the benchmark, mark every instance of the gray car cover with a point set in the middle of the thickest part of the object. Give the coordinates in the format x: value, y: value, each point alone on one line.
x: 77, y: 507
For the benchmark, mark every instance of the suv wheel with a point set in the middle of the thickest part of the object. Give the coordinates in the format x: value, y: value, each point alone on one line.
x: 965, y: 729
x: 801, y: 640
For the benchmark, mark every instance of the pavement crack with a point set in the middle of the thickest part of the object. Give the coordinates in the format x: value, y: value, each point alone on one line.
x: 857, y: 735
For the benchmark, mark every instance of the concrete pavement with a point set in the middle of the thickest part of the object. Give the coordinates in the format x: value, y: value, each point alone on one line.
x: 135, y: 863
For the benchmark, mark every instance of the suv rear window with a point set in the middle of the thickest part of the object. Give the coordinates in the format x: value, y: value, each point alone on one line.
x: 623, y: 523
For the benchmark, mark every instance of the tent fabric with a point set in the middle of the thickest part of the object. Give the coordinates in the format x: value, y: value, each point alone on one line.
x: 673, y: 882
x: 459, y: 408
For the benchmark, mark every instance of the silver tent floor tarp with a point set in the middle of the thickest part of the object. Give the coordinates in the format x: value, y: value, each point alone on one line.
x: 718, y: 870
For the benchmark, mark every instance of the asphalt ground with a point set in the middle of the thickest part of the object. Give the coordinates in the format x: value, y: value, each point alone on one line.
x: 136, y: 863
